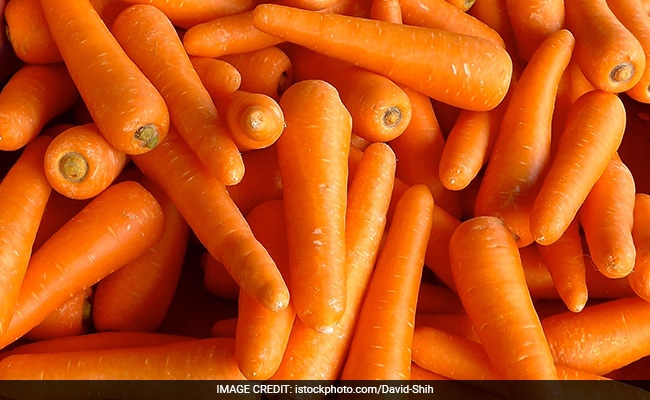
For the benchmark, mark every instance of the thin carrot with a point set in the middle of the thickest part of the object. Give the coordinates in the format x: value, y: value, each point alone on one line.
x: 24, y: 193
x: 254, y: 120
x: 29, y: 34
x: 639, y: 278
x: 463, y: 64
x: 133, y: 116
x: 381, y: 345
x: 485, y: 260
x: 113, y: 229
x: 532, y: 22
x: 521, y: 153
x: 149, y: 38
x: 214, y: 219
x: 80, y: 163
x: 216, y: 278
x: 455, y: 323
x: 436, y: 257
x: 593, y: 132
x: 33, y: 96
x: 386, y: 10
x: 70, y: 319
x: 601, y: 36
x: 226, y: 327
x: 313, y: 159
x: 219, y: 77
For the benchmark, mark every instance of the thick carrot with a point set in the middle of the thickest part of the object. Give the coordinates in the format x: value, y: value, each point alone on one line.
x: 463, y: 64
x: 70, y: 319
x: 593, y: 132
x: 29, y: 34
x: 521, y: 153
x: 381, y: 345
x: 601, y: 36
x: 132, y: 115
x: 80, y: 163
x: 639, y: 278
x: 24, y: 193
x: 219, y: 77
x: 149, y: 38
x: 532, y: 22
x: 507, y: 320
x: 214, y: 218
x: 113, y: 229
x: 33, y: 96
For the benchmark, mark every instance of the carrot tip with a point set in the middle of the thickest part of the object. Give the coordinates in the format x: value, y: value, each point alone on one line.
x: 73, y: 166
x: 149, y: 136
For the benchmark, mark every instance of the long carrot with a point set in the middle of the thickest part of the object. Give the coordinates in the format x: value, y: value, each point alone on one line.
x: 24, y: 193
x: 149, y: 38
x: 381, y: 345
x: 492, y: 287
x: 72, y: 318
x: 28, y: 33
x: 639, y: 278
x: 463, y: 64
x: 113, y: 229
x: 521, y: 153
x: 532, y: 22
x: 593, y: 131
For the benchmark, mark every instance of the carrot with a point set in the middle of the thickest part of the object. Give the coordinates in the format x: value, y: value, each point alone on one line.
x: 214, y: 218
x: 639, y: 278
x: 521, y: 153
x: 436, y: 257
x: 507, y: 321
x: 216, y: 278
x: 254, y: 120
x: 381, y: 345
x: 133, y: 116
x: 607, y: 217
x: 219, y: 77
x: 593, y: 132
x: 70, y: 319
x: 230, y: 34
x: 495, y: 15
x: 464, y: 64
x: 32, y: 97
x: 579, y: 82
x: 113, y: 229
x: 150, y: 39
x: 29, y: 34
x: 226, y: 327
x: 211, y: 358
x: 533, y: 22
x: 441, y: 14
x: 386, y: 10
x: 58, y: 210
x: 313, y: 355
x: 600, y: 35
x: 436, y: 298
x: 309, y: 4
x: 24, y: 193
x: 80, y: 163
x: 355, y: 8
x: 456, y: 323
x: 262, y: 335
x: 380, y: 109
x: 267, y: 70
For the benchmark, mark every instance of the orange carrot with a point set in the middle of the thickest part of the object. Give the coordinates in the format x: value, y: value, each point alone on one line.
x: 533, y: 22
x: 113, y: 229
x: 436, y: 298
x: 386, y: 10
x: 521, y: 153
x: 33, y: 96
x: 219, y: 77
x: 29, y: 34
x: 381, y: 345
x: 464, y: 64
x: 216, y: 278
x: 601, y: 36
x: 355, y: 8
x: 508, y: 320
x: 226, y: 327
x: 495, y: 15
x: 58, y: 210
x: 70, y: 319
x: 593, y: 131
x: 214, y: 218
x: 313, y: 159
x: 309, y: 4
x: 456, y: 323
x: 24, y: 193
x: 150, y: 39
x: 639, y: 278
x: 436, y: 257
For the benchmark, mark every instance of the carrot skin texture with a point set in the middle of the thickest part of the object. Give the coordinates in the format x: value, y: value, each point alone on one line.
x: 219, y: 77
x: 28, y: 33
x: 639, y: 278
x: 70, y: 319
x: 387, y: 54
x: 533, y: 22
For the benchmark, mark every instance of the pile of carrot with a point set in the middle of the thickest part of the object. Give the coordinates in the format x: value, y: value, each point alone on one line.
x: 326, y: 189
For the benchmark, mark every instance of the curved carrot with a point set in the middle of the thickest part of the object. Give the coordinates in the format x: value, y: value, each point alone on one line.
x: 313, y: 159
x: 219, y: 77
x: 463, y: 64
x: 254, y: 120
x: 532, y: 22
x: 24, y: 193
x: 70, y: 319
x: 521, y: 152
x: 80, y: 162
x: 149, y: 38
x: 509, y: 320
x: 29, y: 34
x: 601, y: 36
x: 214, y: 218
x: 593, y: 132
x: 639, y: 278
x: 32, y: 97
x: 113, y: 229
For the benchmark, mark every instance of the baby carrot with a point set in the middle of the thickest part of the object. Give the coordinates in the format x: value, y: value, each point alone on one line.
x: 409, y: 55
x: 521, y: 152
x: 507, y: 320
x: 593, y: 131
x: 133, y: 115
x: 219, y: 77
x: 72, y: 318
x: 33, y: 96
x: 113, y: 229
x: 601, y: 36
x: 150, y: 39
x: 313, y: 159
x: 532, y: 22
x: 639, y: 278
x: 80, y: 163
x: 24, y: 193
x: 29, y: 34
